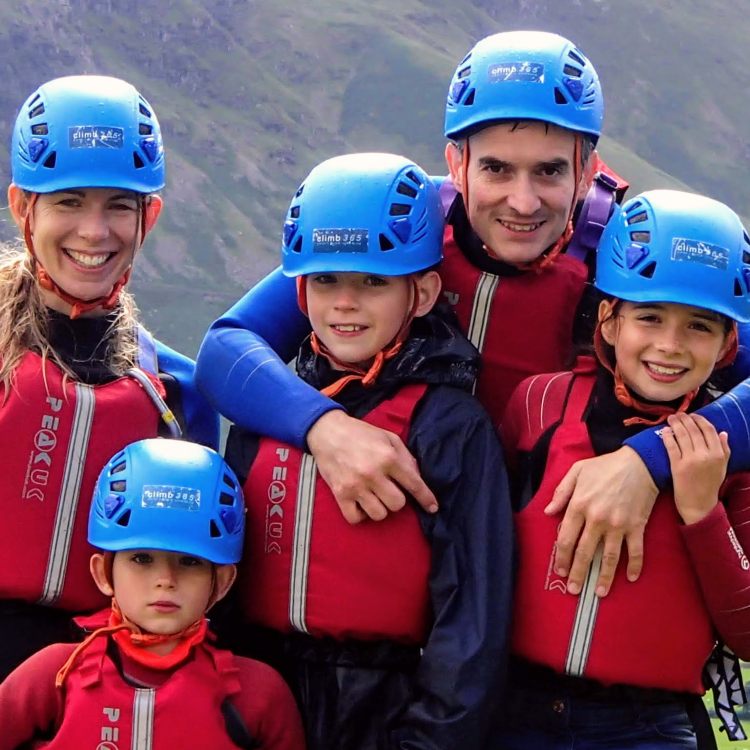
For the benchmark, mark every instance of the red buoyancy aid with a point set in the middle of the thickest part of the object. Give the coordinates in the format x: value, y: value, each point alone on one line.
x: 56, y: 436
x: 522, y: 324
x: 102, y: 711
x: 654, y: 633
x: 305, y: 568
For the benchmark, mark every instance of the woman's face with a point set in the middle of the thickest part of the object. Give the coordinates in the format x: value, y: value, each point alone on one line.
x: 85, y: 238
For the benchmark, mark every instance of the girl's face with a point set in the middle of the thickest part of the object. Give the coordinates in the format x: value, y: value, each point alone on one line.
x: 85, y: 238
x: 162, y: 592
x: 664, y: 350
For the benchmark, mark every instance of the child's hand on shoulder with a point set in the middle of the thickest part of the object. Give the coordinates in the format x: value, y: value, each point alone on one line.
x: 699, y: 456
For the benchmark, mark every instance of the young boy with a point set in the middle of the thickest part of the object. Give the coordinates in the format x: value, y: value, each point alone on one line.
x: 620, y: 671
x: 168, y: 517
x: 392, y: 634
x: 523, y: 116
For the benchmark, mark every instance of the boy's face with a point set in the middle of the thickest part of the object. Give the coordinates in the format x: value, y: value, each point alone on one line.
x: 356, y: 315
x: 664, y: 350
x: 162, y: 592
x: 521, y: 186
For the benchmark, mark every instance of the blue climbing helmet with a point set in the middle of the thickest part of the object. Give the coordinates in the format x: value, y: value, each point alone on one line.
x: 169, y: 495
x: 671, y: 246
x: 368, y: 213
x: 87, y: 131
x: 524, y: 75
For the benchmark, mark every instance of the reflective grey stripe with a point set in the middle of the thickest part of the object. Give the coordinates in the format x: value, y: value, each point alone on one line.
x: 583, y: 627
x: 301, y: 546
x: 144, y: 702
x: 67, y: 503
x: 480, y: 311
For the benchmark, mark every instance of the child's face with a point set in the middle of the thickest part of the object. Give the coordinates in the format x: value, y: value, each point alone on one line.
x: 162, y: 592
x: 356, y: 315
x: 665, y: 350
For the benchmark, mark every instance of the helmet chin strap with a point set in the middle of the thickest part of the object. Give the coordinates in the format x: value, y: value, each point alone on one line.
x: 79, y: 306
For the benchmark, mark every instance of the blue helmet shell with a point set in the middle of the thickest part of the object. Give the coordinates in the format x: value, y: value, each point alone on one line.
x: 524, y: 75
x: 169, y: 495
x: 87, y: 131
x: 671, y: 246
x: 368, y: 213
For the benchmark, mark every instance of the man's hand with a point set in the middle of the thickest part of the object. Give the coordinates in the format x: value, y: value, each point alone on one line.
x: 609, y: 499
x: 698, y: 456
x: 367, y: 469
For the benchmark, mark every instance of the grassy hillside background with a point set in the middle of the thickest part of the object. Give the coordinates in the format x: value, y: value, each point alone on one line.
x: 252, y: 93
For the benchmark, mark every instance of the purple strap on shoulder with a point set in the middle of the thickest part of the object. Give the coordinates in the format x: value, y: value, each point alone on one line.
x: 447, y: 193
x: 593, y: 217
x: 147, y: 357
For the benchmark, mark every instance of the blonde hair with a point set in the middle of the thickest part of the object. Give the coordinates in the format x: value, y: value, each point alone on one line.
x: 23, y: 321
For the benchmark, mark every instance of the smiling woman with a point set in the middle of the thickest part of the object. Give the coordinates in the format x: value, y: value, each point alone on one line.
x: 80, y: 378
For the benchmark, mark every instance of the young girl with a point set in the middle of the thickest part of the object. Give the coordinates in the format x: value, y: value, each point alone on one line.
x: 393, y: 634
x: 79, y: 377
x: 591, y: 672
x: 168, y: 516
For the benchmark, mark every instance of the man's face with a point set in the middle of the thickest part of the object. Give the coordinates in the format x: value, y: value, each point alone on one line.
x: 521, y: 184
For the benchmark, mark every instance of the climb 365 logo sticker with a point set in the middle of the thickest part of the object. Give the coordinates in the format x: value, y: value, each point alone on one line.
x: 694, y: 251
x: 344, y: 240
x: 95, y: 136
x: 522, y: 71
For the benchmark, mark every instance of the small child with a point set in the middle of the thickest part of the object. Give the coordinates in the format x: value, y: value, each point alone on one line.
x: 169, y: 518
x: 393, y: 634
x: 624, y: 670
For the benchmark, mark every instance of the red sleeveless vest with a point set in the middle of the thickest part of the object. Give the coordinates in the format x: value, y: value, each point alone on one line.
x: 306, y: 569
x: 655, y: 632
x: 184, y: 712
x: 55, y: 438
x: 522, y: 325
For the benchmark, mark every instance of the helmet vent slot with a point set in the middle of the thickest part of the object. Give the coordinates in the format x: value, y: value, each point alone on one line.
x: 640, y: 236
x: 560, y: 98
x: 399, y: 209
x: 36, y: 111
x: 40, y: 129
x: 119, y: 485
x: 405, y: 189
x: 569, y: 70
x: 50, y: 161
x: 298, y: 245
x: 225, y: 498
x: 738, y: 290
x: 299, y: 191
x: 746, y: 255
x: 214, y: 530
x: 470, y: 98
x: 294, y: 212
x: 578, y: 57
x: 137, y: 161
x: 144, y: 128
x: 120, y: 467
x: 385, y: 243
x: 124, y: 519
x: 144, y: 110
x: 414, y: 178
x: 638, y: 218
x: 648, y: 271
